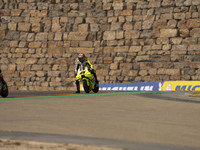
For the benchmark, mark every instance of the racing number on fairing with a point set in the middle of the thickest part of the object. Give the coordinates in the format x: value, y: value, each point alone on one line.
x: 82, y: 72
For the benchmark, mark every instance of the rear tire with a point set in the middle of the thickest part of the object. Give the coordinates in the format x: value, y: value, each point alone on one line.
x: 96, y: 88
x: 4, y: 92
x: 86, y: 87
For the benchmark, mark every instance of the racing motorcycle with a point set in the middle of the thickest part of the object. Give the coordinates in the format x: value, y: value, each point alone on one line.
x: 3, y: 87
x: 87, y: 80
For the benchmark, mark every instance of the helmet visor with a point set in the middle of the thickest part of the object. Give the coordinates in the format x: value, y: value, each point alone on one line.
x: 81, y: 59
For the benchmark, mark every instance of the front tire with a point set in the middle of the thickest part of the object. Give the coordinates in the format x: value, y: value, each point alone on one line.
x: 86, y: 87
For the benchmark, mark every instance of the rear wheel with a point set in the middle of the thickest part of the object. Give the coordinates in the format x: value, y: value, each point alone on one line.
x: 4, y: 92
x: 86, y: 87
x: 96, y: 88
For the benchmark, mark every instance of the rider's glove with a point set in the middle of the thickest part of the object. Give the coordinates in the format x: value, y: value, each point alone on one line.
x: 91, y: 70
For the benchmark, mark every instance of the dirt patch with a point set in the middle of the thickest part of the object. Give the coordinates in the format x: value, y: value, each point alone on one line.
x: 30, y: 145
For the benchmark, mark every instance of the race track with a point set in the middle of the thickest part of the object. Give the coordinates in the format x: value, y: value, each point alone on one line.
x: 153, y: 121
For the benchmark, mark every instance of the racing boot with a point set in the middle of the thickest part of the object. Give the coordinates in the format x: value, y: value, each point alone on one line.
x: 77, y: 86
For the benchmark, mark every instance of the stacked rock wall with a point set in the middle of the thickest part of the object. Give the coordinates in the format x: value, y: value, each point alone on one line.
x: 126, y: 40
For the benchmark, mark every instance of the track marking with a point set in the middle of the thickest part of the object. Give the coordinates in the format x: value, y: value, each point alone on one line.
x: 69, y: 95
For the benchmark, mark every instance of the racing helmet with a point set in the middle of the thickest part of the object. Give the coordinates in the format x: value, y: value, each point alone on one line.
x: 81, y: 57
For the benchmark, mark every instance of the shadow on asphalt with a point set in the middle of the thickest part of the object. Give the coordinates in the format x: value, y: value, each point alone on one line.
x: 172, y: 96
x: 56, y: 138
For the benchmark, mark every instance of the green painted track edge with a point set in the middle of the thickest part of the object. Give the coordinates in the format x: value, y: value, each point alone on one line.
x: 72, y: 95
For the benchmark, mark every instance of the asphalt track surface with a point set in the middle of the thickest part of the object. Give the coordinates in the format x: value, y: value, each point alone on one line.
x: 134, y: 121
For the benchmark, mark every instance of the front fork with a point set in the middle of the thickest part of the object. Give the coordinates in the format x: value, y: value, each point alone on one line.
x: 78, y: 83
x: 90, y: 83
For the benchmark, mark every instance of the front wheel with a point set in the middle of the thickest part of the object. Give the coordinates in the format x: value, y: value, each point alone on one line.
x: 4, y: 92
x: 86, y: 87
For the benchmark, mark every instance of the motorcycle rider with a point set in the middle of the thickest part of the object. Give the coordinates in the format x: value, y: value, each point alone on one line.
x: 84, y: 62
x: 1, y: 78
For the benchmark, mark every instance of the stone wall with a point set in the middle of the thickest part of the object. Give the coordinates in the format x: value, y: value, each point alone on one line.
x: 126, y: 40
